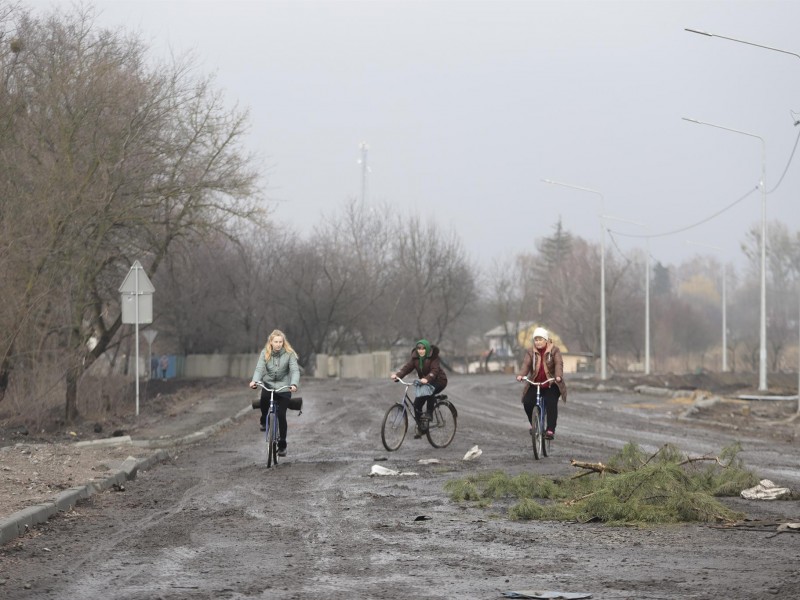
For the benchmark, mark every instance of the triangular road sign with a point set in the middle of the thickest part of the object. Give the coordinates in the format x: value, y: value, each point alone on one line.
x: 130, y: 284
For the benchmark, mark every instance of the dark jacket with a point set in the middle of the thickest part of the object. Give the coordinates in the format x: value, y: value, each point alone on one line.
x: 431, y: 368
x: 553, y: 367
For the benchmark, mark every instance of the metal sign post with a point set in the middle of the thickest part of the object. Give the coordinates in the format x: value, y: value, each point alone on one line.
x: 137, y: 307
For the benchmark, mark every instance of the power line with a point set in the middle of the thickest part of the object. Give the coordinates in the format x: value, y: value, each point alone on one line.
x: 719, y: 212
x: 693, y: 225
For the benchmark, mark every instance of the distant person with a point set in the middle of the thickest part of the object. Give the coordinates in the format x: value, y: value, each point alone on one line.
x: 425, y: 362
x: 154, y: 367
x: 277, y: 366
x: 542, y: 362
x: 163, y: 365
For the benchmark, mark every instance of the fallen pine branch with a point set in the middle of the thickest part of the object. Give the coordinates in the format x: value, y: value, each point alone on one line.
x: 592, y: 468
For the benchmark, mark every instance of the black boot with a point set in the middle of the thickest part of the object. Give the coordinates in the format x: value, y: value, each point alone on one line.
x: 424, y: 420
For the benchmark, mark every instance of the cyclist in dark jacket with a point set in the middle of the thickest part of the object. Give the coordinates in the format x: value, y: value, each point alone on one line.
x: 425, y: 362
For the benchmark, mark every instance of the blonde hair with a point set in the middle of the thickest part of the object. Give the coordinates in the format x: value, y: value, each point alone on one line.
x: 268, y: 346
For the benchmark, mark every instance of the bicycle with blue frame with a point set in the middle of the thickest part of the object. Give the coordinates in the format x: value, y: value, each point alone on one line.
x: 440, y: 428
x: 540, y: 441
x: 272, y: 419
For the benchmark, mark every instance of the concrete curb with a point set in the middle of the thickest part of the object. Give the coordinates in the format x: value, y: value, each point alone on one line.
x: 20, y: 522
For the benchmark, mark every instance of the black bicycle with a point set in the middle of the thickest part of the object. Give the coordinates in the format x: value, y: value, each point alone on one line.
x: 440, y: 428
x: 272, y: 420
x: 540, y: 441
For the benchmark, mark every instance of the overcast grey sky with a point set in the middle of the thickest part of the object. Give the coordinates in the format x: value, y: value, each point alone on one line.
x: 467, y: 106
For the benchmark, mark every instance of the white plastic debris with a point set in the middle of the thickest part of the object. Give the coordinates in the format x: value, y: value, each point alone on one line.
x: 765, y: 490
x: 378, y: 470
x: 473, y: 453
x: 428, y: 461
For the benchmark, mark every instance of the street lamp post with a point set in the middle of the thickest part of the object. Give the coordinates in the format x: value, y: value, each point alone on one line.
x: 762, y: 353
x: 647, y: 309
x: 762, y: 368
x: 603, y: 361
x: 796, y: 55
x: 724, y: 308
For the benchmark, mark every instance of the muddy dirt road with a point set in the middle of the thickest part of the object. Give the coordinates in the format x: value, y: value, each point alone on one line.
x: 215, y: 523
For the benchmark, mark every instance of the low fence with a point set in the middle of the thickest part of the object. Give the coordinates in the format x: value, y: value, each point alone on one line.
x: 241, y: 366
x: 355, y: 366
x: 367, y: 365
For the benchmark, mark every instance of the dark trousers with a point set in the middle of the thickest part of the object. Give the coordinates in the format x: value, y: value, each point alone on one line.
x: 550, y: 396
x: 281, y: 401
x: 419, y: 401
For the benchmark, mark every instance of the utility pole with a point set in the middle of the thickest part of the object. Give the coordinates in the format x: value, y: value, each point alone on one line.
x: 364, y: 170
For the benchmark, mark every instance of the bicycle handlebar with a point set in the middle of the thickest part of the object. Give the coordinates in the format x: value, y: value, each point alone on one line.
x: 415, y: 382
x: 538, y: 383
x: 280, y: 389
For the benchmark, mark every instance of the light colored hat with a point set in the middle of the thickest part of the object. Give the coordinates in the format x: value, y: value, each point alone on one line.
x: 541, y: 332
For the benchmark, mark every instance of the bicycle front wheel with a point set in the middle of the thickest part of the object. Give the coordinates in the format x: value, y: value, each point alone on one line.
x: 272, y: 442
x: 395, y: 425
x: 537, y: 435
x: 442, y: 426
x: 545, y: 439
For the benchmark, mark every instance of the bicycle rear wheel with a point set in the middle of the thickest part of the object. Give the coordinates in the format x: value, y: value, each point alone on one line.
x: 394, y: 427
x: 272, y: 442
x: 442, y: 426
x: 536, y: 432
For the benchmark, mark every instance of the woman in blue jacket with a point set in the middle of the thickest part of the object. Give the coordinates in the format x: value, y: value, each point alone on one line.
x: 277, y: 366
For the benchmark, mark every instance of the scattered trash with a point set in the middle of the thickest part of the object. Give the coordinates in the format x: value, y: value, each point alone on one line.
x: 428, y: 461
x: 473, y: 453
x: 422, y: 518
x: 765, y: 490
x: 547, y: 595
x: 383, y: 471
x: 788, y: 527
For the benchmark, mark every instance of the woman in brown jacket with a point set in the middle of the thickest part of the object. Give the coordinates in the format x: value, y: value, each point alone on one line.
x: 542, y: 362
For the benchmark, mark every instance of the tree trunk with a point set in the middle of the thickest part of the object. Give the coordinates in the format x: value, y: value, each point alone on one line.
x: 71, y: 405
x: 4, y: 375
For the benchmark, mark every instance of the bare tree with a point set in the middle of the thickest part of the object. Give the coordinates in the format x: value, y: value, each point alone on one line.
x: 111, y: 162
x: 438, y: 281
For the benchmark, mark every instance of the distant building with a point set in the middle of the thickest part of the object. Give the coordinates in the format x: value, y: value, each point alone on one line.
x: 508, y: 341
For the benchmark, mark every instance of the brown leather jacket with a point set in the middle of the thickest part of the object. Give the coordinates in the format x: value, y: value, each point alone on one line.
x: 553, y: 367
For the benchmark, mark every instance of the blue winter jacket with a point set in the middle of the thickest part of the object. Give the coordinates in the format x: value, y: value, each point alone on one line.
x: 281, y: 369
